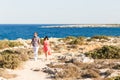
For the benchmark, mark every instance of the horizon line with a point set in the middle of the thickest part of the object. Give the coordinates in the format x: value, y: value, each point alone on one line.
x: 58, y: 23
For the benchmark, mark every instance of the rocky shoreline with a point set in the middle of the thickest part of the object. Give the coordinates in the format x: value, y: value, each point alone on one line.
x: 83, y: 25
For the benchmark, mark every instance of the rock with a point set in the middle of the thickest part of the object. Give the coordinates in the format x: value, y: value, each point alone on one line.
x: 35, y: 69
x: 88, y: 60
x: 68, y: 59
x: 55, y: 63
x: 114, y: 74
x: 77, y: 60
x: 61, y: 57
x: 82, y: 58
x: 49, y: 70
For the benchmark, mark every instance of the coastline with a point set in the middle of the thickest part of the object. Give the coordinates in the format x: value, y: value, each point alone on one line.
x: 82, y: 26
x: 73, y: 25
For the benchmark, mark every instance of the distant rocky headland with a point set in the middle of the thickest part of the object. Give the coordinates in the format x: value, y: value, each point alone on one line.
x: 99, y: 25
x: 83, y: 25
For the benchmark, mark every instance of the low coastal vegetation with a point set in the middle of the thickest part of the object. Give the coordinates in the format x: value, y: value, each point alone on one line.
x: 67, y: 39
x: 72, y: 69
x: 8, y: 43
x: 78, y: 41
x: 106, y: 52
x: 70, y: 66
x: 99, y: 48
x: 74, y: 40
x: 100, y: 37
x: 81, y: 40
x: 12, y: 58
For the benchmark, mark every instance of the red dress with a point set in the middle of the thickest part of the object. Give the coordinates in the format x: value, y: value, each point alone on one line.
x: 46, y: 47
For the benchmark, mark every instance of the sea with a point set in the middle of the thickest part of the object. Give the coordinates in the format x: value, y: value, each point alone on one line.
x: 26, y: 31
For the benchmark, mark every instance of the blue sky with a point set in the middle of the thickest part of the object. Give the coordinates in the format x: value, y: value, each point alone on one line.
x: 60, y: 11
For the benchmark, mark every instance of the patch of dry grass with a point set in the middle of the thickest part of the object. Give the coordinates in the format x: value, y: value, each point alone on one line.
x: 8, y: 43
x: 78, y: 70
x: 12, y: 58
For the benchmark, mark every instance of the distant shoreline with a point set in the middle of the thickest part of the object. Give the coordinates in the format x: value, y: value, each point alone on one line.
x: 70, y: 25
x: 81, y: 25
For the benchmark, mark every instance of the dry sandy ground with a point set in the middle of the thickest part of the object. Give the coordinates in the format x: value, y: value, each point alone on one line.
x: 28, y: 73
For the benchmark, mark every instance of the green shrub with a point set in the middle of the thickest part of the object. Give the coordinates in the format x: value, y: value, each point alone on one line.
x: 100, y: 37
x: 106, y: 52
x: 11, y: 59
x: 78, y: 40
x: 70, y: 37
x: 73, y: 40
x: 81, y: 38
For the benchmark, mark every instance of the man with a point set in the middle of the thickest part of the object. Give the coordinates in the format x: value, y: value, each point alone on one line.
x: 35, y: 43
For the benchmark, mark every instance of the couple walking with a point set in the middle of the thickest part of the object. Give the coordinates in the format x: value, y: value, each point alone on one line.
x: 36, y: 43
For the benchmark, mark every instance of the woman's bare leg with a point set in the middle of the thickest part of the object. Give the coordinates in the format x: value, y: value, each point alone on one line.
x: 46, y: 55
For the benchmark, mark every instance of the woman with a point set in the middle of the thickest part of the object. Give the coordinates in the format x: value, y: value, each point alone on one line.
x: 35, y: 43
x: 46, y: 47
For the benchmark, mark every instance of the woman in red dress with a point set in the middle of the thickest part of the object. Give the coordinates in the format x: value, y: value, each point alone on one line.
x: 46, y: 47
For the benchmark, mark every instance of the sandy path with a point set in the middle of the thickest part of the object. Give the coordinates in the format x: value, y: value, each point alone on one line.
x: 27, y: 73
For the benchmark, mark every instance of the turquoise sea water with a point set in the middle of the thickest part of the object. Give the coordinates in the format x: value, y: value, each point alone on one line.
x: 25, y: 31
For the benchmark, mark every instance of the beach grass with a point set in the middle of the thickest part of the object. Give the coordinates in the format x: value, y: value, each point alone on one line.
x: 8, y: 43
